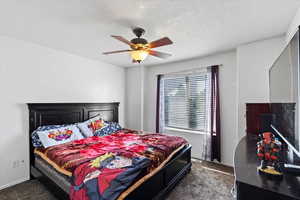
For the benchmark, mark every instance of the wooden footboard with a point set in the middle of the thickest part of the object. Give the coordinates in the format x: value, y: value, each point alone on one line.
x: 159, y: 185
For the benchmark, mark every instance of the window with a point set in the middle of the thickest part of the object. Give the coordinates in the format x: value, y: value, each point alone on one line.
x: 186, y: 100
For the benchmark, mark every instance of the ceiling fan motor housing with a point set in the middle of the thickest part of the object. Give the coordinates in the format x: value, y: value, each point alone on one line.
x: 139, y: 41
x: 138, y: 31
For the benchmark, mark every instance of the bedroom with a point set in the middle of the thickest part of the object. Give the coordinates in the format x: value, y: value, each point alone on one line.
x: 51, y: 52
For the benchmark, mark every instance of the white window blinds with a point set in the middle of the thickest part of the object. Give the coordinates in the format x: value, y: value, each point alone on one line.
x: 186, y: 100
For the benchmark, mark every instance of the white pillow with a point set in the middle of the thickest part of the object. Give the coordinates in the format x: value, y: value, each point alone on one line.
x: 59, y: 135
x: 88, y: 130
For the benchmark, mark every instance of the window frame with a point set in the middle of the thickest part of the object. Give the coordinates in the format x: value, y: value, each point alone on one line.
x: 188, y: 98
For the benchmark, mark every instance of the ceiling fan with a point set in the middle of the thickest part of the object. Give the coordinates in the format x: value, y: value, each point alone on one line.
x: 140, y: 48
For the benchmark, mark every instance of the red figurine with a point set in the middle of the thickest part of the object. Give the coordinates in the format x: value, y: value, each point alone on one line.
x: 268, y: 149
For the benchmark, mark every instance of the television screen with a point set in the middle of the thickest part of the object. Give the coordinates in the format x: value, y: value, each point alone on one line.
x: 284, y: 93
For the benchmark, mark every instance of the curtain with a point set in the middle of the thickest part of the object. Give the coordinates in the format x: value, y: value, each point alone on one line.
x: 215, y: 124
x: 158, y: 106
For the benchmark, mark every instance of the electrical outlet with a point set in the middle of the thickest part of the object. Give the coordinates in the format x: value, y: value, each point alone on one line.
x: 18, y: 163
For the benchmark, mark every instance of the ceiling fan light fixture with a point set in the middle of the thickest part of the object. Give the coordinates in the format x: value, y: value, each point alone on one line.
x: 139, y: 55
x: 140, y: 48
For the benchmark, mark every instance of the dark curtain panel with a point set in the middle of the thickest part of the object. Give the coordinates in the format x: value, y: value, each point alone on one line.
x: 215, y: 115
x: 158, y: 103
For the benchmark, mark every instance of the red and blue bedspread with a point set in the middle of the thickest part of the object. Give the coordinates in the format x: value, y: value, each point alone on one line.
x: 103, y: 167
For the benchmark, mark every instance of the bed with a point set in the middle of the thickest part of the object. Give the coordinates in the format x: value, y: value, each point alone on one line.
x: 155, y: 187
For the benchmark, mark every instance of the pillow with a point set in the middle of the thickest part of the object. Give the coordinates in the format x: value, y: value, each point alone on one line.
x: 36, y: 142
x: 111, y: 127
x: 89, y: 127
x: 59, y: 135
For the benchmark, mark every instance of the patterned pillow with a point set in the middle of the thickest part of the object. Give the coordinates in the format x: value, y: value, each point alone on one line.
x: 59, y: 135
x: 36, y: 142
x: 111, y: 127
x: 89, y: 127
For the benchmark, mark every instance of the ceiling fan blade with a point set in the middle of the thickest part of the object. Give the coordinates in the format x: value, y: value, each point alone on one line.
x: 120, y: 38
x: 120, y: 51
x: 159, y: 54
x: 160, y: 42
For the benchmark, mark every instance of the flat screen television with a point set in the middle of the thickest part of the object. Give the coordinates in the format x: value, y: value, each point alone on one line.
x: 284, y: 95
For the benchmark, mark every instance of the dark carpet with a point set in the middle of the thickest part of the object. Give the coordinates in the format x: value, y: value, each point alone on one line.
x: 205, y: 181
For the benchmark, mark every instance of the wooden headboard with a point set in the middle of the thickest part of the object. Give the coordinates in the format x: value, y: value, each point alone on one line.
x: 67, y: 113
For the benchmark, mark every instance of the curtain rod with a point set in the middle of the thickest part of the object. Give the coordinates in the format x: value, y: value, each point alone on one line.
x: 189, y: 70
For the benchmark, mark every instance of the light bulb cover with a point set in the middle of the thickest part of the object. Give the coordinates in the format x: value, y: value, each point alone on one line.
x: 139, y: 55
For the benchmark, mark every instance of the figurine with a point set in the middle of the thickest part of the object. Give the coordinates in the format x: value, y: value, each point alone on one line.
x: 268, y: 149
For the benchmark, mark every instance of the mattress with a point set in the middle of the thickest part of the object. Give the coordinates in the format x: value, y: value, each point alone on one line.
x: 63, y: 181
x: 53, y: 165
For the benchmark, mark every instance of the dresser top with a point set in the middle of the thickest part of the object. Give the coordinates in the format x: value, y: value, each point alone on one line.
x: 246, y: 163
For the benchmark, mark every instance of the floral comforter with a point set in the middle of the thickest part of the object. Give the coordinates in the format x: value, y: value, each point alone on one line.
x: 103, y: 167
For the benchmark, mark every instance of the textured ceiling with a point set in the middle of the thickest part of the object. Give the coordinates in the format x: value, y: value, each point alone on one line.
x: 197, y: 27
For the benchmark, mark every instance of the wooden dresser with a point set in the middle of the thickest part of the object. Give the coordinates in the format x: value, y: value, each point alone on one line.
x: 250, y: 185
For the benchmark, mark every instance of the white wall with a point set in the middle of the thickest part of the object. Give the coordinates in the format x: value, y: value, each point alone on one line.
x: 293, y: 27
x: 32, y: 73
x: 227, y: 96
x: 133, y: 98
x: 253, y: 63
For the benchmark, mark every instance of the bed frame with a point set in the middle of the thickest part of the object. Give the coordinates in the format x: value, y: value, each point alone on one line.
x: 157, y: 187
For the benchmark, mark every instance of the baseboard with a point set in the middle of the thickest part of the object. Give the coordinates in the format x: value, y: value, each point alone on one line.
x: 215, y: 166
x: 14, y: 183
x: 219, y: 163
